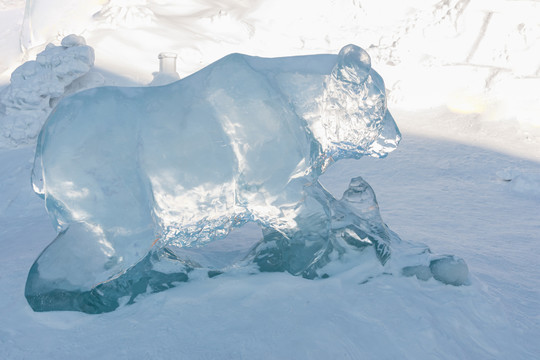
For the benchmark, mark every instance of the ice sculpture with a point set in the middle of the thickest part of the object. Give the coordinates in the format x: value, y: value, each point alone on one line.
x: 167, y: 70
x: 138, y: 180
x: 37, y: 86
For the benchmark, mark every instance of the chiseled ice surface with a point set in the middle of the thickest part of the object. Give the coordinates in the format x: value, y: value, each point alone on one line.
x: 138, y: 180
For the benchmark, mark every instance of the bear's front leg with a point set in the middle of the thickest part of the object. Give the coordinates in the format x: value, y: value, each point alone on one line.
x: 324, y: 229
x: 303, y: 247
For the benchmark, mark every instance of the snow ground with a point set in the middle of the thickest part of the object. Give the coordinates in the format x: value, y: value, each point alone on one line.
x: 464, y: 184
x: 441, y: 192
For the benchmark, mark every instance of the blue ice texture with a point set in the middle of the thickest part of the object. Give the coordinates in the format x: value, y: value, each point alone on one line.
x: 140, y: 183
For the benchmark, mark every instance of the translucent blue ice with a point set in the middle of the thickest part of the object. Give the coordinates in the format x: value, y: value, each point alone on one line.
x: 138, y: 180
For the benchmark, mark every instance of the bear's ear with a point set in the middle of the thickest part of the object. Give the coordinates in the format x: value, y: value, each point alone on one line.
x: 353, y: 65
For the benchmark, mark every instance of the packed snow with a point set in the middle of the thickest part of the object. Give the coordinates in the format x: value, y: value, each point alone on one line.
x: 463, y: 85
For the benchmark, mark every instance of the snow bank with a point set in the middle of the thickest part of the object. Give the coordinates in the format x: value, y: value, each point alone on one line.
x: 526, y: 183
x: 11, y: 17
x: 47, y: 21
x: 37, y: 85
x: 473, y: 56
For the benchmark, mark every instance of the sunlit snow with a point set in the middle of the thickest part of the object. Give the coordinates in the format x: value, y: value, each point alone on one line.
x: 463, y: 84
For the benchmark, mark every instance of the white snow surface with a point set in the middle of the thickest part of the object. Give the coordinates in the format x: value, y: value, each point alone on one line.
x: 464, y: 76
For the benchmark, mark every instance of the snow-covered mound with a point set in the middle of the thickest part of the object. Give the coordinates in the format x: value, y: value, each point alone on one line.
x: 36, y: 86
x: 521, y: 182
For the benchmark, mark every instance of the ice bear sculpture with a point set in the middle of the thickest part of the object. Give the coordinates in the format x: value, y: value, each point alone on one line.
x: 136, y: 179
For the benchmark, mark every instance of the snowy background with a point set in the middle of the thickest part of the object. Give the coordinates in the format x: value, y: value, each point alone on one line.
x: 463, y: 78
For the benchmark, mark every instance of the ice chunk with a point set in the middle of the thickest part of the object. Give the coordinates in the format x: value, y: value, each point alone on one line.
x: 138, y: 180
x: 167, y: 70
x: 449, y: 269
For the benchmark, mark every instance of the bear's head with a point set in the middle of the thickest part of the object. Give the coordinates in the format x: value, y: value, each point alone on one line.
x: 353, y: 118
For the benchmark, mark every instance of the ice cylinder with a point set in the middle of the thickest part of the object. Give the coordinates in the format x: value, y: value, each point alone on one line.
x: 167, y: 62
